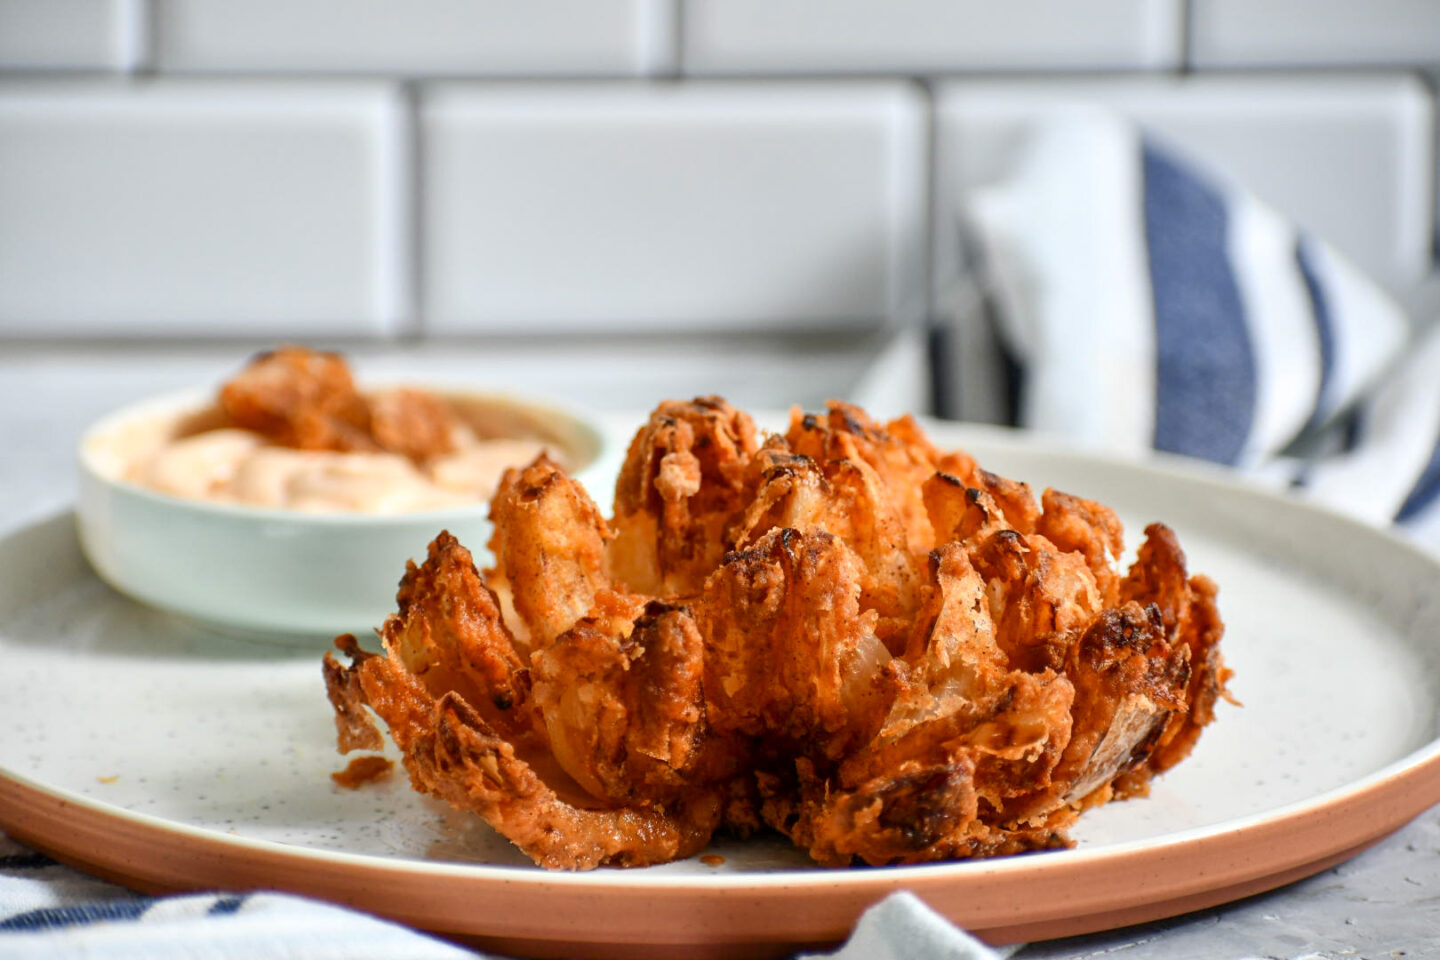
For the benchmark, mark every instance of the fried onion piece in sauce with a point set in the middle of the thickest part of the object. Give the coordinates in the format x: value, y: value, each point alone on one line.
x: 299, y: 398
x: 413, y: 423
x: 307, y: 399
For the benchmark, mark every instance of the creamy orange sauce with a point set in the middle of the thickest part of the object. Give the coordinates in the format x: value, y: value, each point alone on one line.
x: 240, y: 467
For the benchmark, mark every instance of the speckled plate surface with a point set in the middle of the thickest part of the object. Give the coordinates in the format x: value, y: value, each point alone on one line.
x: 168, y: 756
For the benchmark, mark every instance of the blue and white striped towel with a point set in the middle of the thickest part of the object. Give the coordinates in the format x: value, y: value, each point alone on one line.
x: 1147, y: 305
x: 50, y: 912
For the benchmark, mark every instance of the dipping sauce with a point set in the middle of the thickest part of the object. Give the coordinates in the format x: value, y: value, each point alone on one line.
x: 292, y: 431
x: 235, y: 466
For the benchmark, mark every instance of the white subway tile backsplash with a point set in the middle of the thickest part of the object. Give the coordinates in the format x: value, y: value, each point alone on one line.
x: 857, y: 36
x: 417, y: 37
x: 1348, y: 157
x: 665, y: 208
x: 568, y: 180
x: 65, y: 34
x: 199, y: 209
x: 1270, y: 33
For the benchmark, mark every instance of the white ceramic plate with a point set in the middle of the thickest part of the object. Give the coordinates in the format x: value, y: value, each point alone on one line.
x: 157, y: 752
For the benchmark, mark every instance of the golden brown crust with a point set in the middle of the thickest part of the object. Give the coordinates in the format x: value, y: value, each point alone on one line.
x: 897, y: 455
x: 413, y: 423
x: 362, y: 770
x: 354, y: 730
x: 790, y: 654
x: 451, y: 634
x: 623, y: 713
x: 299, y: 398
x: 1190, y: 618
x: 880, y: 650
x: 307, y: 399
x: 681, y: 486
x: 1076, y: 525
x: 549, y: 545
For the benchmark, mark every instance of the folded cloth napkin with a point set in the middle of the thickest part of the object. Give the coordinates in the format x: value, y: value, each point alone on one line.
x: 1143, y: 303
x: 1387, y: 468
x: 51, y: 912
x: 902, y: 927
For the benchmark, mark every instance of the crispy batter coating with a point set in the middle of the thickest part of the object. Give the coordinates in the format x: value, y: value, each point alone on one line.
x: 1090, y: 529
x: 299, y: 398
x: 549, y: 547
x: 849, y: 476
x: 413, y: 423
x: 450, y: 751
x: 623, y: 712
x: 825, y: 695
x: 303, y: 398
x: 1190, y: 616
x: 876, y: 648
x: 679, y: 490
x: 362, y: 770
x: 898, y: 455
x: 451, y: 635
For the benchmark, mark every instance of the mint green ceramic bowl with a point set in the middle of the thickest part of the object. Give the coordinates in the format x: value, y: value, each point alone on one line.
x: 274, y: 572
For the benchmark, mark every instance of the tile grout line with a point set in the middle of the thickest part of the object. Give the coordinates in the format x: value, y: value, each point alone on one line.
x: 138, y: 38
x: 658, y: 38
x: 408, y: 196
x: 1187, y: 37
x: 677, y: 38
x: 940, y: 393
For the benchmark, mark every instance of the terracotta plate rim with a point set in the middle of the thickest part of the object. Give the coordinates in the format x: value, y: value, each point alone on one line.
x: 1086, y: 886
x: 1422, y: 764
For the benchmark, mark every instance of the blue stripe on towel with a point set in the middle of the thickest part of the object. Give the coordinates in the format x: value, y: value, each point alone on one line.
x: 1426, y: 492
x: 53, y: 918
x: 226, y: 905
x: 1205, y: 389
x: 1324, y: 330
x: 25, y: 861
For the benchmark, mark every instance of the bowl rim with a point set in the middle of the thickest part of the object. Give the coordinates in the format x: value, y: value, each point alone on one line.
x: 193, y: 399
